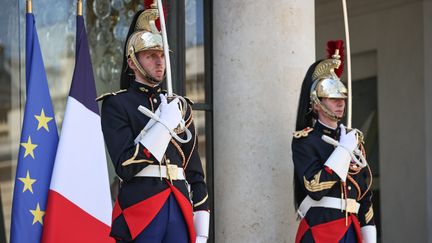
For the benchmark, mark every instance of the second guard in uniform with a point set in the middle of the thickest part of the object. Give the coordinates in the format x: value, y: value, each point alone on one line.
x: 332, y: 178
x: 163, y: 196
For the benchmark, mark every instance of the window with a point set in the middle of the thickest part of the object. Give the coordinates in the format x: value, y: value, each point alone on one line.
x: 365, y: 118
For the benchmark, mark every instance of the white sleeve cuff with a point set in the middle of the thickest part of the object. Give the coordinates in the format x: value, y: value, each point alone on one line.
x: 156, y: 140
x: 369, y: 234
x: 200, y: 239
x: 201, y: 223
x: 339, y: 162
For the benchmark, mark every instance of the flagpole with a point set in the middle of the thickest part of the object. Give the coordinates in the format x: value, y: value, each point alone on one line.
x: 79, y: 8
x: 29, y: 8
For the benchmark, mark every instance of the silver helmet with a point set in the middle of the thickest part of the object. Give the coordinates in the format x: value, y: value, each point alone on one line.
x: 327, y: 84
x: 145, y: 37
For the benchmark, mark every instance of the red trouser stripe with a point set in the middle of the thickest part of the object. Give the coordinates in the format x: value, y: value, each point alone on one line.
x: 187, y: 210
x: 139, y: 215
x: 331, y: 231
x: 303, y: 227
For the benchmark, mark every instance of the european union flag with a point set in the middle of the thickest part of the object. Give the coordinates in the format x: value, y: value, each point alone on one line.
x: 37, y: 148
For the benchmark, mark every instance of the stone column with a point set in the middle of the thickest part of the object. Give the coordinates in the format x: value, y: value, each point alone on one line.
x: 262, y: 50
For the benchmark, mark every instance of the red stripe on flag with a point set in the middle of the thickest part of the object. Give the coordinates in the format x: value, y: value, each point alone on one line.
x: 66, y: 222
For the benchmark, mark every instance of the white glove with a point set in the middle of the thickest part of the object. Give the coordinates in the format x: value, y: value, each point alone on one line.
x: 347, y: 140
x: 170, y: 114
x: 158, y: 136
x: 340, y: 159
x: 201, y: 224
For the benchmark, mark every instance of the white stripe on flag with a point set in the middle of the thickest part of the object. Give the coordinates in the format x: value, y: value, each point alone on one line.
x: 80, y: 170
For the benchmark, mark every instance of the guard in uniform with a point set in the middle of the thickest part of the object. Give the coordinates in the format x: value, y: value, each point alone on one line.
x: 163, y: 196
x: 332, y: 192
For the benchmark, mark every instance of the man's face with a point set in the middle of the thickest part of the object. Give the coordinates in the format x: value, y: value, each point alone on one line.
x: 335, y: 105
x: 153, y: 63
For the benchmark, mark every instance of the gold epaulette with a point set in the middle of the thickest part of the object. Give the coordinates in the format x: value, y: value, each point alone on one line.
x: 101, y: 97
x: 302, y: 133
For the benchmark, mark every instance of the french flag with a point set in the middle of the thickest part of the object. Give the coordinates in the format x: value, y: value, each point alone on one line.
x: 79, y: 203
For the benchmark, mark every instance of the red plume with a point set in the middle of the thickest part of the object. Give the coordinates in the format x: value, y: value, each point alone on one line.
x: 332, y: 46
x: 147, y: 4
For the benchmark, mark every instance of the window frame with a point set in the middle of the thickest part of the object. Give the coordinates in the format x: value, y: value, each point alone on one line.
x: 177, y: 38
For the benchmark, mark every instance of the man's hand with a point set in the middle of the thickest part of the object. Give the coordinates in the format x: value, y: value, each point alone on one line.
x: 348, y: 140
x: 170, y: 114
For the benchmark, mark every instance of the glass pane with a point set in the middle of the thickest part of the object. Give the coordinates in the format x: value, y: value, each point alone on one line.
x: 199, y: 121
x: 194, y: 25
x: 56, y: 31
x: 107, y: 26
x: 9, y: 108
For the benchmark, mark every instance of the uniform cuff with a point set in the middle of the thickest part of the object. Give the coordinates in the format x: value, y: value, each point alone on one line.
x: 201, y: 223
x: 369, y: 234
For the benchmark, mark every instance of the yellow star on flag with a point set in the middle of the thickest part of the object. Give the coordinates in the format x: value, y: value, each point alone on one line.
x: 28, y: 182
x: 29, y: 147
x: 37, y: 215
x: 43, y: 120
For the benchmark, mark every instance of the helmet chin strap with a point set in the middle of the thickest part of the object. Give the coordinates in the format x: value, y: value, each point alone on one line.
x: 152, y: 80
x: 327, y: 112
x: 141, y: 69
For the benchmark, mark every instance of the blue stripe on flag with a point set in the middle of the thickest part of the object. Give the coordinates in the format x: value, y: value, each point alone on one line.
x: 83, y: 86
